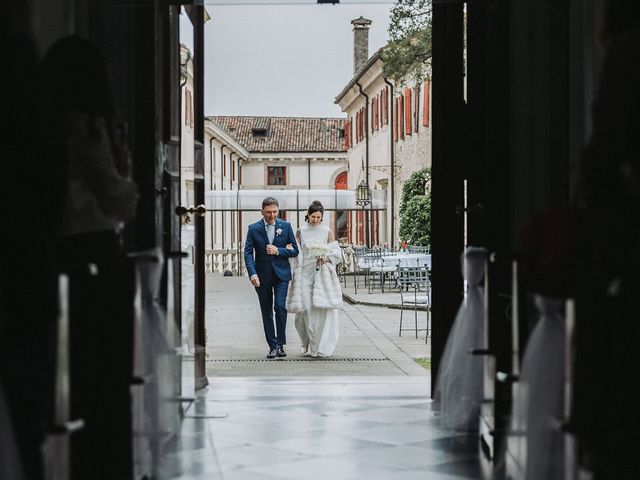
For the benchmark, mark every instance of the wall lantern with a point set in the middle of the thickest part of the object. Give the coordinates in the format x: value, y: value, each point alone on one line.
x: 363, y: 194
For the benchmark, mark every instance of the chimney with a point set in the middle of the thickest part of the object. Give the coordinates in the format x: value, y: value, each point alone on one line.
x: 360, y: 42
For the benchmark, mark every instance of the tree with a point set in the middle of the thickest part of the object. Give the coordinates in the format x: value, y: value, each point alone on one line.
x: 408, y: 54
x: 415, y: 209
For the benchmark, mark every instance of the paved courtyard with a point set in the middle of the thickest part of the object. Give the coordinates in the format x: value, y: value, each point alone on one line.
x: 369, y: 343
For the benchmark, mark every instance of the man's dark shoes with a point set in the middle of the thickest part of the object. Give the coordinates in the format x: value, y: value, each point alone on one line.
x: 280, y: 352
x: 272, y: 353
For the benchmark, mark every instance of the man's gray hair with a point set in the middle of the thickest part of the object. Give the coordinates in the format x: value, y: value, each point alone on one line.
x: 270, y: 201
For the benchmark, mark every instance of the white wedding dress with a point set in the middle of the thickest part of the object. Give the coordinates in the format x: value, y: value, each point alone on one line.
x: 534, y: 440
x: 459, y: 388
x: 318, y: 328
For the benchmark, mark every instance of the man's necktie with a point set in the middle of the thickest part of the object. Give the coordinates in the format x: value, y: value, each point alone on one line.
x: 271, y: 232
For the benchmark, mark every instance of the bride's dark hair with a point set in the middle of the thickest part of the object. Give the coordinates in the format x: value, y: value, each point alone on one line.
x: 315, y: 206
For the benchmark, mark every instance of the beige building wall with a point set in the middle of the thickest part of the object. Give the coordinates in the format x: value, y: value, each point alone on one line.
x: 314, y: 171
x: 223, y: 158
x: 229, y: 166
x: 411, y: 152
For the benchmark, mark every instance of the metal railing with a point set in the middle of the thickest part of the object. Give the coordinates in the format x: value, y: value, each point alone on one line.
x: 223, y: 260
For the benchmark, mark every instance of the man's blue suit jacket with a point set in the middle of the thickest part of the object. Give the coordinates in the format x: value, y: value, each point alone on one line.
x: 255, y: 251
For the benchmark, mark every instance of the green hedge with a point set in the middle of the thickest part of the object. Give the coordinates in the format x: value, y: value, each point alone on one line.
x: 415, y: 209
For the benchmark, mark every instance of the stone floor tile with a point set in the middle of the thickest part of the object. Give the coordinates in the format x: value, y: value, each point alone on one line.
x: 466, y: 468
x: 324, y: 445
x: 330, y: 468
x: 248, y: 456
x: 402, y: 434
x: 422, y: 475
x: 407, y: 457
x: 393, y: 415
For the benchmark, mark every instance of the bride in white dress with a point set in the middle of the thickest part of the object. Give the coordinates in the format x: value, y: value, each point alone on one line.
x: 318, y: 328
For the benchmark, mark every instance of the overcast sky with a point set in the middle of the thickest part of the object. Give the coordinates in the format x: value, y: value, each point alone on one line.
x: 282, y: 60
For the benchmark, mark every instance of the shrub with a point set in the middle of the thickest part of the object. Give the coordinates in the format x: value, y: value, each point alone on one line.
x: 415, y: 209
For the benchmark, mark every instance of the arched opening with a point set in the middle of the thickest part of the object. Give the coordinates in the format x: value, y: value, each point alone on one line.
x: 342, y: 224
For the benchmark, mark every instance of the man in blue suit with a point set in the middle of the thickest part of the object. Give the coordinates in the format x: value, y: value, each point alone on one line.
x: 266, y: 257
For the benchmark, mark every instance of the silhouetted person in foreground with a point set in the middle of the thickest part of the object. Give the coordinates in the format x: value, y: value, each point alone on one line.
x: 605, y: 413
x: 80, y: 106
x: 31, y: 196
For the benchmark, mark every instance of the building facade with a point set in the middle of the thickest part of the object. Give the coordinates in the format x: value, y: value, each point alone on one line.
x: 271, y: 153
x: 387, y: 138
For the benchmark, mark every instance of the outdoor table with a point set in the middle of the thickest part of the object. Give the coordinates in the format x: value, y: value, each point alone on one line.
x: 408, y: 260
x: 403, y: 260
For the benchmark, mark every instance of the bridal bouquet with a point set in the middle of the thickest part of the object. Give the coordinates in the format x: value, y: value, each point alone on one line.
x: 318, y: 250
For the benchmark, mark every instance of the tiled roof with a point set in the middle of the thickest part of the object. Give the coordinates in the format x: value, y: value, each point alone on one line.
x: 284, y: 134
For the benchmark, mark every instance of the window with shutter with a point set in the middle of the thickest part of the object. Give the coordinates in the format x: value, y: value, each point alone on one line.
x: 401, y: 116
x: 407, y: 111
x: 425, y: 101
x: 394, y: 120
x: 353, y: 133
x: 416, y: 110
x: 357, y: 132
x: 276, y: 176
x: 351, y: 140
x: 372, y: 109
x: 385, y: 103
x: 374, y: 115
x: 375, y: 112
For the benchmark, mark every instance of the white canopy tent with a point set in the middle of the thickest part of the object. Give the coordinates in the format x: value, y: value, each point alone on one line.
x: 241, y: 207
x: 290, y: 200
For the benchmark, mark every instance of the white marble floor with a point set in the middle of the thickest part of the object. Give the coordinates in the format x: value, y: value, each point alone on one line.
x: 337, y: 428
